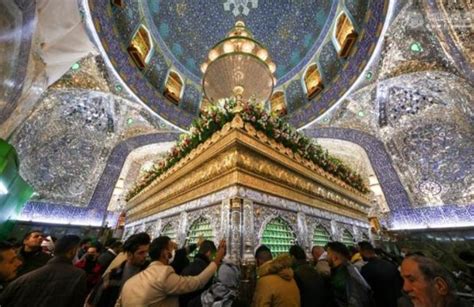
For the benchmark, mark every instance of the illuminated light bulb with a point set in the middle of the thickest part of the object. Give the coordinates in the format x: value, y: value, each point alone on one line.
x: 213, y: 54
x: 272, y: 67
x: 204, y: 67
x: 262, y: 54
x: 248, y: 46
x: 228, y: 47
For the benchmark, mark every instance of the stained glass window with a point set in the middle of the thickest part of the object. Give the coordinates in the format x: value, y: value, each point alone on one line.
x: 278, y: 236
x: 321, y: 236
x: 347, y: 238
x: 200, y: 227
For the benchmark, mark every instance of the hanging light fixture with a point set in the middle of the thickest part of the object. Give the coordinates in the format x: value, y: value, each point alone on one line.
x: 238, y: 64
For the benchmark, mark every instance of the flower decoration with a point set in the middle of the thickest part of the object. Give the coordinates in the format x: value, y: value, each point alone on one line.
x: 214, y: 117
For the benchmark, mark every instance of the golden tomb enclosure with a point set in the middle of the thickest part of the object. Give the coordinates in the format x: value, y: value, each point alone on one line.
x: 239, y: 155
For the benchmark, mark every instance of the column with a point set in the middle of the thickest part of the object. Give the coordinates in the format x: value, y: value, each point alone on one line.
x: 182, y: 225
x: 157, y: 228
x: 302, y: 231
x: 334, y: 231
x: 235, y: 240
x: 248, y: 231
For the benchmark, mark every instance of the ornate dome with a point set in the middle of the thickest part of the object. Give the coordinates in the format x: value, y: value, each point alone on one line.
x: 320, y: 48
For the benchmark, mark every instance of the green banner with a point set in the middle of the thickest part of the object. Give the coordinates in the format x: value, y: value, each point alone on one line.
x: 14, y: 191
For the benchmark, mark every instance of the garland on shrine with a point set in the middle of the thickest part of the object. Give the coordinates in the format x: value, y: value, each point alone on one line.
x: 214, y: 117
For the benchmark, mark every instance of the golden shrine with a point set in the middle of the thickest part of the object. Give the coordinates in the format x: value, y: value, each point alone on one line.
x: 257, y: 182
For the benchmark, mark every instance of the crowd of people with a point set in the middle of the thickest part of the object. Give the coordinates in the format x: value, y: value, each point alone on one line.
x: 45, y: 271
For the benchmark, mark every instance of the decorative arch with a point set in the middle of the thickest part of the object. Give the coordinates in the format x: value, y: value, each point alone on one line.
x: 347, y: 237
x: 279, y: 240
x: 141, y: 46
x: 174, y: 87
x: 395, y: 194
x: 312, y: 81
x: 320, y: 235
x: 94, y: 213
x: 344, y: 35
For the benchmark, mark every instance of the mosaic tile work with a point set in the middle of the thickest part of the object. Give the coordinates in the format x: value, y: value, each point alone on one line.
x: 11, y: 89
x: 330, y: 62
x: 462, y: 60
x: 96, y: 211
x: 394, y: 191
x: 357, y: 9
x: 116, y: 51
x: 350, y: 71
x: 295, y: 95
x: 187, y: 30
x: 184, y: 43
x: 402, y: 214
x: 191, y: 99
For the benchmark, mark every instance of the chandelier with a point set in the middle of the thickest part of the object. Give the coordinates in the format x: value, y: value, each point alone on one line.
x: 239, y: 66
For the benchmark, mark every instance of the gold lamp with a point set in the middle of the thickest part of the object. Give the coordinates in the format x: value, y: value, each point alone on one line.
x: 238, y: 64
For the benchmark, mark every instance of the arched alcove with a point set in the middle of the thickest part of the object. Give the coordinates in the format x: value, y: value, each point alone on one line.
x: 140, y: 47
x: 313, y: 83
x: 278, y: 236
x: 278, y: 103
x: 201, y: 227
x: 321, y: 236
x: 174, y: 87
x: 347, y: 238
x: 345, y: 35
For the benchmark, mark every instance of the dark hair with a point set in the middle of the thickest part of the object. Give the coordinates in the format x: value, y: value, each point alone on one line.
x: 207, y: 246
x: 297, y: 252
x: 366, y: 246
x: 157, y: 246
x: 28, y: 234
x: 65, y: 244
x: 132, y: 244
x: 4, y: 246
x: 263, y: 253
x: 432, y: 269
x: 339, y: 248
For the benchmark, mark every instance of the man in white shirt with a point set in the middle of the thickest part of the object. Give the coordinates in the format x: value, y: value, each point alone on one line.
x: 159, y: 285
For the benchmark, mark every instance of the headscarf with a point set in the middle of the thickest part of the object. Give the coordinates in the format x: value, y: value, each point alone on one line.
x: 225, y: 287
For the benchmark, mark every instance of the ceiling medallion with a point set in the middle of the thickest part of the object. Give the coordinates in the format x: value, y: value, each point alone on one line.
x: 240, y: 6
x: 430, y: 187
x: 238, y: 62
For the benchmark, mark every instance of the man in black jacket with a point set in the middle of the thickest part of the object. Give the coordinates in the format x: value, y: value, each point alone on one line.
x: 314, y: 289
x: 382, y: 276
x: 31, y: 252
x: 202, y: 259
x: 107, y: 291
x: 58, y: 283
x: 113, y: 248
